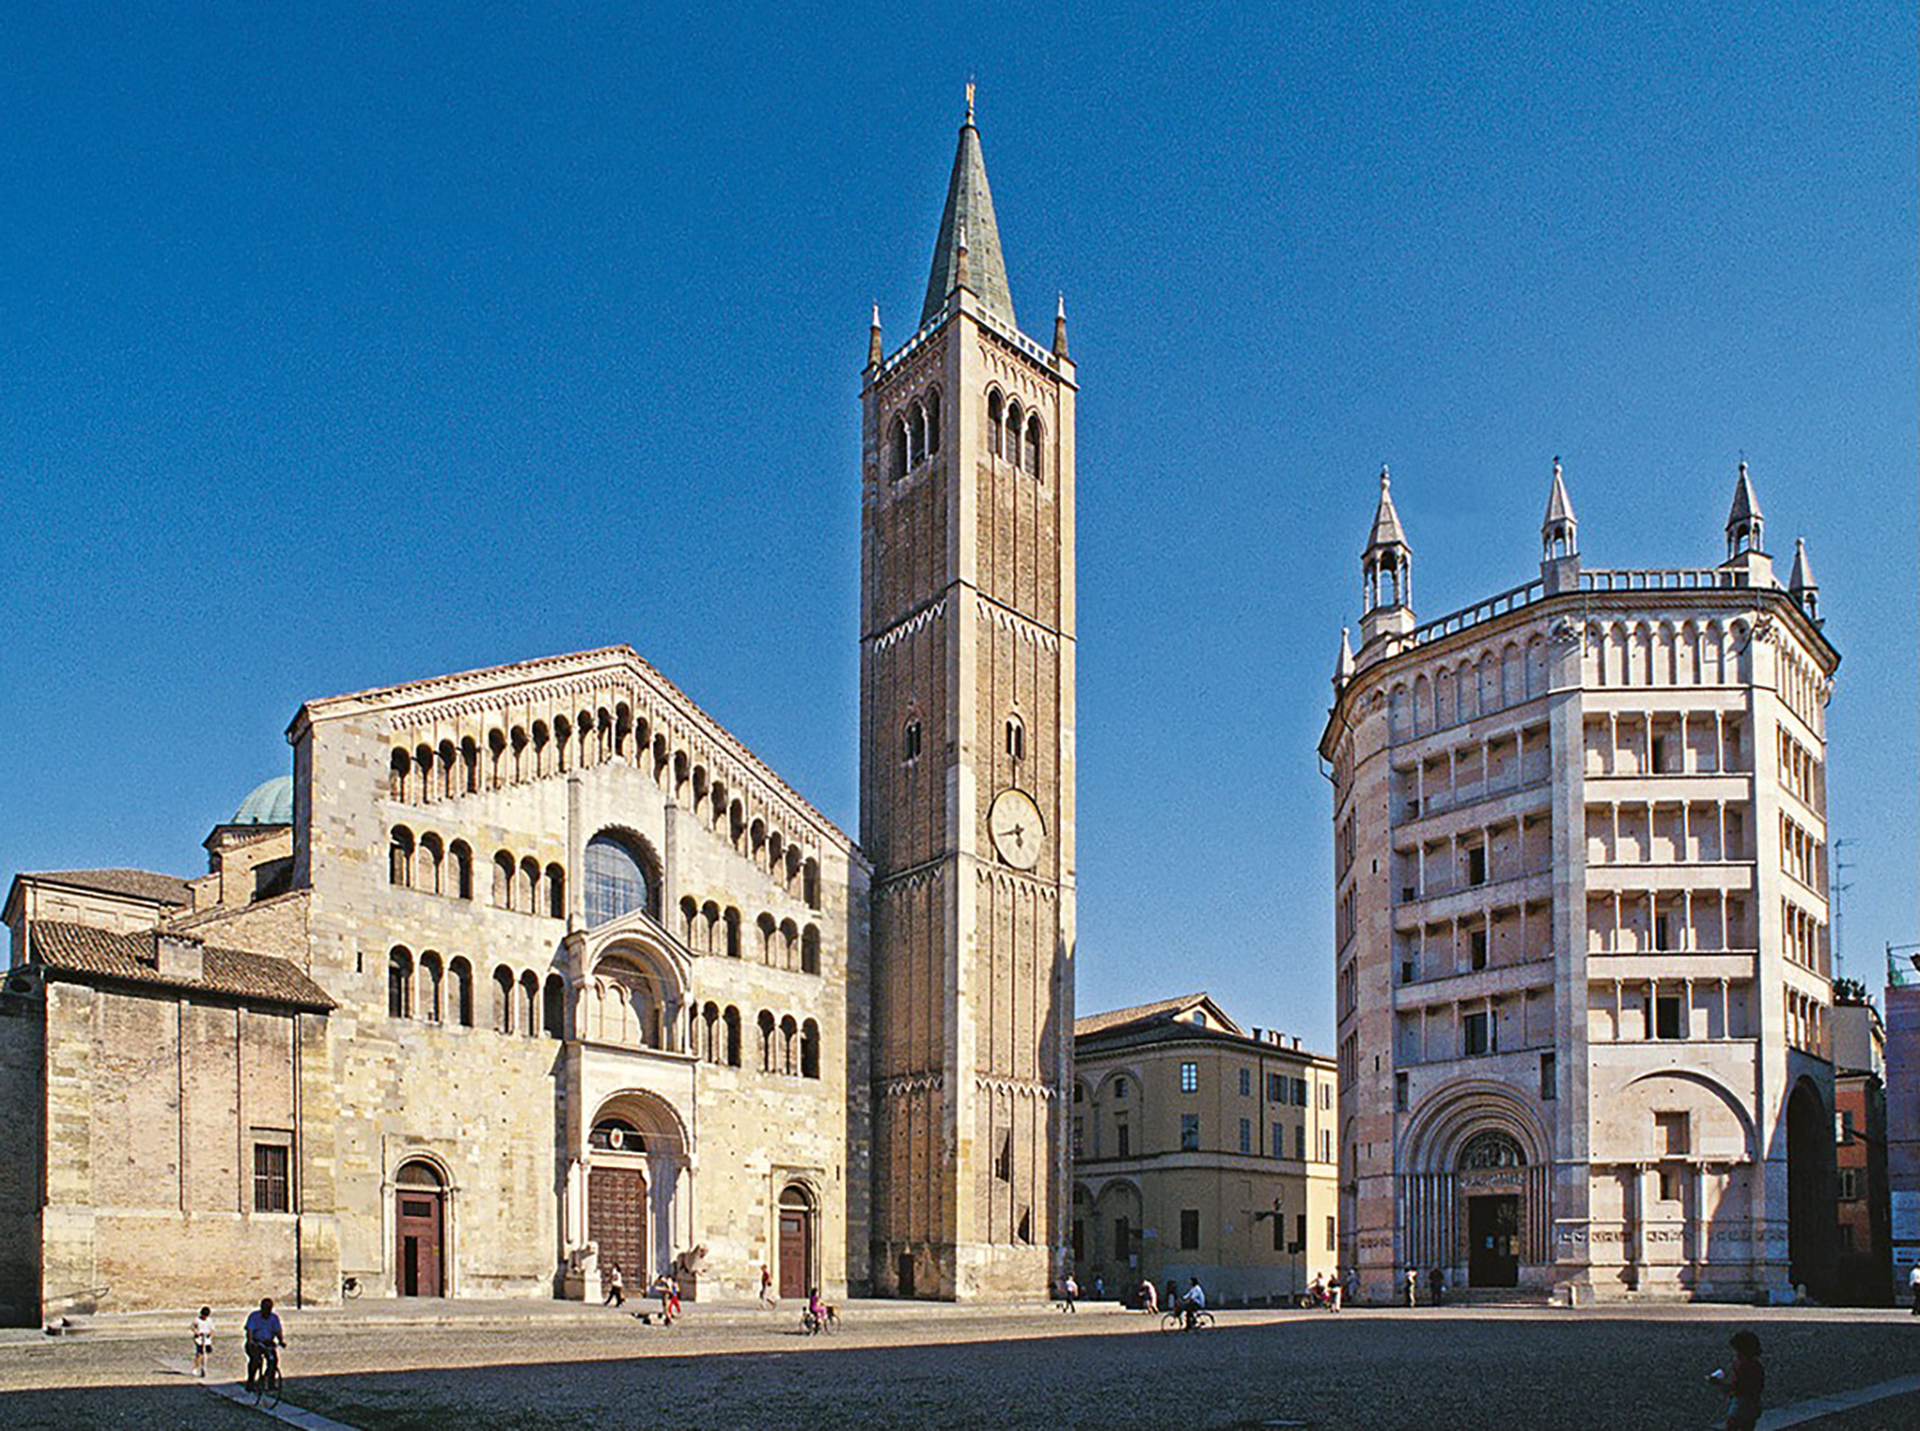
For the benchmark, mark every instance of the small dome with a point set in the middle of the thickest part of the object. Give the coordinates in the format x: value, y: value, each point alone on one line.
x: 269, y: 804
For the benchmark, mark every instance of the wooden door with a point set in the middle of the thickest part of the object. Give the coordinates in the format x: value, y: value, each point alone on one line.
x: 417, y: 1231
x: 617, y: 1221
x: 796, y: 1252
x: 1493, y: 1225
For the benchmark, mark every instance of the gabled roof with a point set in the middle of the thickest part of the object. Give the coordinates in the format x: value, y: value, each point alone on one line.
x: 1161, y: 1011
x: 131, y: 884
x: 412, y: 696
x: 89, y: 953
x: 1387, y: 531
x: 968, y: 218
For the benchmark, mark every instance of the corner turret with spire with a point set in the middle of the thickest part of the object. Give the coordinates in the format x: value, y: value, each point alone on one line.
x: 1386, y: 568
x: 1746, y: 535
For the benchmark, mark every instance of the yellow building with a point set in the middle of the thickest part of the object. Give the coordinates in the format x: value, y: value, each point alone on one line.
x: 1201, y: 1149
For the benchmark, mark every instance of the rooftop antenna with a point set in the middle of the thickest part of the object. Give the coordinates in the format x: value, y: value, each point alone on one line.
x: 1835, y: 888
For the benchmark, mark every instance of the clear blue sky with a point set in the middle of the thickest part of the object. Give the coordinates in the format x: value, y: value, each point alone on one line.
x: 344, y: 346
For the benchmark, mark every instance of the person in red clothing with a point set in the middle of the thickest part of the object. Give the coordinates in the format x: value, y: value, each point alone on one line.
x: 1744, y: 1382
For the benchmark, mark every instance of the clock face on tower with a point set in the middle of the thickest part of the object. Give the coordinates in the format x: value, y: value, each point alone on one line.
x: 1017, y: 830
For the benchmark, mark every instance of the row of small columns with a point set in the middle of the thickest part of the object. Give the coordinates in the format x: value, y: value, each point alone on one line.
x: 1622, y: 898
x: 1717, y: 823
x: 1722, y: 988
x: 1646, y: 718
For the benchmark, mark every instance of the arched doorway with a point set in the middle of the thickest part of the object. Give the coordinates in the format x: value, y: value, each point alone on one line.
x: 617, y: 1199
x: 1491, y: 1182
x: 796, y: 1232
x: 1810, y: 1211
x: 419, y: 1224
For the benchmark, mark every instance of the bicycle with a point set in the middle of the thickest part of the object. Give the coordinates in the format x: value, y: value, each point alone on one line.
x: 349, y: 1288
x: 1176, y: 1320
x: 812, y: 1326
x: 266, y: 1386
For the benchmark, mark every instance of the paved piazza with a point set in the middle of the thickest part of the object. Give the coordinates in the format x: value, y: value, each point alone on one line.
x: 1471, y: 1368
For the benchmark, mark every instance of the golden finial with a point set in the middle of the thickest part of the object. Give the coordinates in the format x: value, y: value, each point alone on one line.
x: 969, y: 101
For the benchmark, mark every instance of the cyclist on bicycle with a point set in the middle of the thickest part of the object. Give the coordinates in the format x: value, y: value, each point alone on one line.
x: 1194, y: 1301
x: 263, y: 1334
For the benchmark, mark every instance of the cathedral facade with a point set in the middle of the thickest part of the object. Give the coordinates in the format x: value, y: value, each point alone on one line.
x: 1580, y: 944
x: 531, y: 972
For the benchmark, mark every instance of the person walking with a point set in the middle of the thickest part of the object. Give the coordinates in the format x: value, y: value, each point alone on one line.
x: 1436, y: 1286
x: 1413, y: 1284
x: 1149, y: 1298
x: 1913, y: 1286
x: 202, y: 1340
x: 1099, y: 1289
x: 1744, y: 1382
x: 1070, y: 1290
x: 1353, y: 1285
x: 766, y: 1284
x: 616, y: 1287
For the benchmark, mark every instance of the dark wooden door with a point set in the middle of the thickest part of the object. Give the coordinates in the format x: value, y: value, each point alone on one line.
x: 617, y: 1221
x: 417, y: 1227
x: 1493, y: 1226
x: 796, y: 1252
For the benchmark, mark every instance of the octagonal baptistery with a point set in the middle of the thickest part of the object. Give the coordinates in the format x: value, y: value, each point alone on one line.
x: 602, y: 988
x: 1580, y: 927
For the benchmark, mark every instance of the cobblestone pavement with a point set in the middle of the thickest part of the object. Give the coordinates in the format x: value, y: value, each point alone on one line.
x: 1474, y: 1369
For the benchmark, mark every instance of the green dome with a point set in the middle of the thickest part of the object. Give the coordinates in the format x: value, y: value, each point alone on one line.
x: 269, y: 804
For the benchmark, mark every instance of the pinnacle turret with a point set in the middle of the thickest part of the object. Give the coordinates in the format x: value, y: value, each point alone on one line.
x: 1386, y: 568
x: 1343, y: 666
x: 1800, y: 583
x: 1746, y: 526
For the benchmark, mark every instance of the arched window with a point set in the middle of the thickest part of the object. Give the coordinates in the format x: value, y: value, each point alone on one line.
x: 733, y: 933
x: 1033, y: 444
x: 496, y: 749
x: 789, y: 1046
x: 461, y: 860
x: 916, y: 434
x: 460, y: 994
x: 810, y: 1049
x: 709, y: 928
x: 1016, y: 739
x: 900, y: 452
x: 789, y: 943
x: 689, y: 919
x: 539, y: 747
x: 400, y: 857
x: 810, y: 883
x: 518, y: 739
x: 768, y: 935
x: 810, y: 950
x: 555, y: 1013
x: 933, y: 421
x: 430, y: 987
x: 428, y: 869
x: 503, y: 1000
x: 776, y: 851
x: 731, y: 1018
x: 399, y: 984
x: 529, y: 1004
x: 1012, y: 452
x: 1492, y: 1149
x: 910, y: 740
x: 993, y: 423
x: 397, y: 775
x: 562, y: 736
x: 556, y: 892
x: 503, y: 880
x: 619, y: 879
x: 449, y: 770
x: 423, y: 771
x: 527, y: 898
x: 767, y: 1051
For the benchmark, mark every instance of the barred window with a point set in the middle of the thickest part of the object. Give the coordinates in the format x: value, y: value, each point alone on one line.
x: 272, y: 1191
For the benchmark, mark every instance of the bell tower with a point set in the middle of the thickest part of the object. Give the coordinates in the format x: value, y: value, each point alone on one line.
x: 967, y: 771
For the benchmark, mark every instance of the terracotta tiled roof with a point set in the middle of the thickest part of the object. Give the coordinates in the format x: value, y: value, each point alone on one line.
x: 1160, y: 1009
x: 82, y: 950
x: 137, y: 884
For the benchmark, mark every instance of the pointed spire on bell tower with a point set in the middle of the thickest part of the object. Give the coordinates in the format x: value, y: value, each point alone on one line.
x: 1387, y: 568
x: 967, y: 252
x: 874, y: 351
x: 1060, y: 328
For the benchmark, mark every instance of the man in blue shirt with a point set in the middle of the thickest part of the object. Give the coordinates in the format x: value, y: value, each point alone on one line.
x: 263, y: 1334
